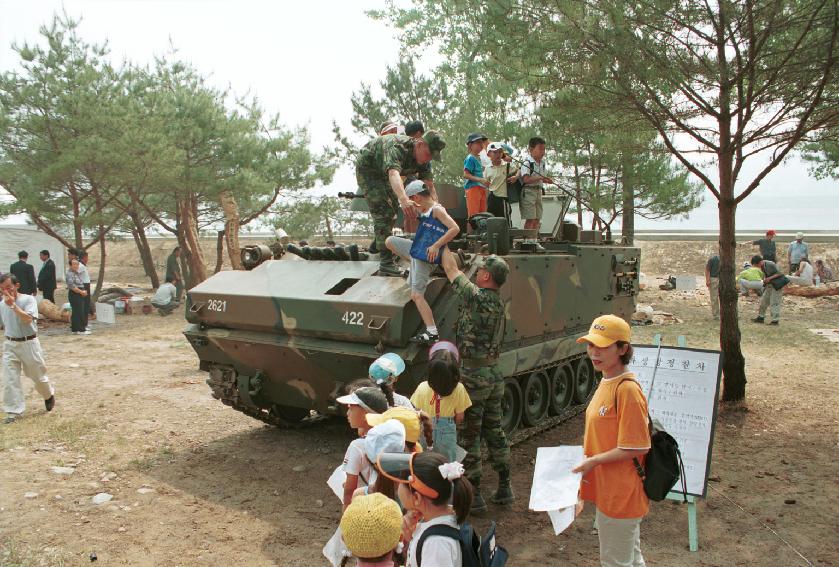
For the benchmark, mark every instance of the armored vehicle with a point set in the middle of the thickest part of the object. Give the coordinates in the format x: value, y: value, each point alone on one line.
x: 281, y: 341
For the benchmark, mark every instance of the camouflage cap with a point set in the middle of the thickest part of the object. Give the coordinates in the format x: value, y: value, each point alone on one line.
x: 497, y: 268
x: 435, y: 142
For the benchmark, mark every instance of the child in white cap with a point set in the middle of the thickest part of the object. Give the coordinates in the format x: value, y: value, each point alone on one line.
x: 359, y: 470
x: 436, y: 229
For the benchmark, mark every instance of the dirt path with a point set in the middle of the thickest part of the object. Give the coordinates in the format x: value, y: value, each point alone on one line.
x: 195, y: 483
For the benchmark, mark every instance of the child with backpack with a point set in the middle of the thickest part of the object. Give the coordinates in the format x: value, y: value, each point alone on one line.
x: 359, y: 470
x: 616, y: 440
x: 434, y: 492
x: 436, y: 229
x: 384, y: 372
x: 443, y: 397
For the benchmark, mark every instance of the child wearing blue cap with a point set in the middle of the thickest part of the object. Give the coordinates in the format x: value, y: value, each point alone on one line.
x: 384, y: 371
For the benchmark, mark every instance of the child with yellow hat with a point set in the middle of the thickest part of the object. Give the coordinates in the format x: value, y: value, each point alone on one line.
x: 371, y: 528
x: 616, y: 434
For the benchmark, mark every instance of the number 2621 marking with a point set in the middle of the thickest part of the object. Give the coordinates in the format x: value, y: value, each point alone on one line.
x: 353, y: 318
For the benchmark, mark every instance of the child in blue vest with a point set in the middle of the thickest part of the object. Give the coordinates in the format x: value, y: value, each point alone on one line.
x: 443, y: 397
x: 436, y: 229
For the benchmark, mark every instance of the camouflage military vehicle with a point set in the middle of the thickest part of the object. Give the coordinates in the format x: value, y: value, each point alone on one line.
x: 280, y: 341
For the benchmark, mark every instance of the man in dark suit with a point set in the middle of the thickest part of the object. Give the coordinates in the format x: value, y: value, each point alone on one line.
x: 25, y: 274
x: 46, y: 277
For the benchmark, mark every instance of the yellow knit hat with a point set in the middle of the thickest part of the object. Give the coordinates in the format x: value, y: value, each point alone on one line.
x: 371, y: 525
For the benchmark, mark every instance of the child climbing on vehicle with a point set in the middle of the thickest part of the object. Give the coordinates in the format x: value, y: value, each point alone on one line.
x: 436, y: 229
x: 443, y: 397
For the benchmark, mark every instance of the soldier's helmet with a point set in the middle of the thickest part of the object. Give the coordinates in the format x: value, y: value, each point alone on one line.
x: 497, y: 268
x: 435, y: 142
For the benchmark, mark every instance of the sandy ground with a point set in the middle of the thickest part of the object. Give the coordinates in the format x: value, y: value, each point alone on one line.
x: 195, y: 483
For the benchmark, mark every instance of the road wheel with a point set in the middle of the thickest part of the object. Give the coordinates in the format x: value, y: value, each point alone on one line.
x: 536, y: 393
x: 289, y: 414
x: 563, y: 388
x: 584, y: 380
x: 511, y: 406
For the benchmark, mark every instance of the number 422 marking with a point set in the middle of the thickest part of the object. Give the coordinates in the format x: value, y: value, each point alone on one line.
x: 353, y: 318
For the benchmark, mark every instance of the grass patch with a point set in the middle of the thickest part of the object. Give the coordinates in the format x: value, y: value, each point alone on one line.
x: 16, y: 554
x: 144, y: 464
x: 75, y: 433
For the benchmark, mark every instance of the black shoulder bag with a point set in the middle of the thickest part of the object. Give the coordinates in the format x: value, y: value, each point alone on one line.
x: 663, y: 466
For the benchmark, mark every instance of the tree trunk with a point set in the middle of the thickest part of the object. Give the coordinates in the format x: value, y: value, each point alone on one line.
x: 219, y: 251
x: 628, y: 209
x: 139, y: 234
x: 733, y: 362
x: 231, y: 228
x: 328, y: 221
x: 100, y: 278
x: 578, y: 196
x: 192, y: 244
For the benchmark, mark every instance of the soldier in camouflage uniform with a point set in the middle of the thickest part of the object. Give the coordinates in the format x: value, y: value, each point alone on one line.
x: 378, y: 170
x: 479, y: 333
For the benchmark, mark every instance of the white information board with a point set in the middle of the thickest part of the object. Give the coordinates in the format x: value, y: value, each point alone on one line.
x: 684, y: 400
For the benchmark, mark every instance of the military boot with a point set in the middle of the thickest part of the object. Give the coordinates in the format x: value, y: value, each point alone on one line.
x: 479, y: 505
x: 504, y: 494
x: 387, y: 264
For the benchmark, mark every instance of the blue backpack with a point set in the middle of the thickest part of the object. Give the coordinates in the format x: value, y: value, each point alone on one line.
x: 476, y: 552
x: 428, y: 232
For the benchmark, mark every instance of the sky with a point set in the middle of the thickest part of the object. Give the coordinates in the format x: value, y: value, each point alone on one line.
x: 304, y: 60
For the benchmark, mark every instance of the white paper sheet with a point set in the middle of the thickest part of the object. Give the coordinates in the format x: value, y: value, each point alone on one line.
x: 561, y: 519
x: 459, y: 453
x: 336, y: 482
x: 554, y: 485
x: 335, y: 550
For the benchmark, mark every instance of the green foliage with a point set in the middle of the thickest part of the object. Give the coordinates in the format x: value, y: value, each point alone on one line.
x: 658, y: 63
x: 823, y: 155
x: 83, y: 144
x: 446, y: 100
x: 493, y: 84
x: 303, y: 218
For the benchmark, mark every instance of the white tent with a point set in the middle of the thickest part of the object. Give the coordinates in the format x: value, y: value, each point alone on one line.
x: 14, y: 238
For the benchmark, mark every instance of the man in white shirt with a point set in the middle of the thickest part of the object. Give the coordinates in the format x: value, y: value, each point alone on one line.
x: 21, y: 349
x: 803, y: 274
x: 165, y: 298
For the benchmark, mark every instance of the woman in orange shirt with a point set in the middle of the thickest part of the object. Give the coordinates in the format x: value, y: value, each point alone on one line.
x: 616, y: 433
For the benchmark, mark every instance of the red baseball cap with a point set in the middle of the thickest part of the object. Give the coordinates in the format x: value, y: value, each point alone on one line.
x: 771, y: 232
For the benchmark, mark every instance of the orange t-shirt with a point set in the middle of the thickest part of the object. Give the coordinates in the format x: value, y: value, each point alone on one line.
x: 615, y: 488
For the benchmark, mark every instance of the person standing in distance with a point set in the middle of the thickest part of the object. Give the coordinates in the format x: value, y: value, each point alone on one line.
x: 616, y: 434
x: 46, y: 277
x: 379, y: 169
x: 478, y: 335
x: 533, y: 179
x: 798, y: 250
x: 766, y: 245
x: 712, y: 282
x: 173, y: 270
x: 21, y: 349
x: 773, y: 293
x: 25, y: 274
